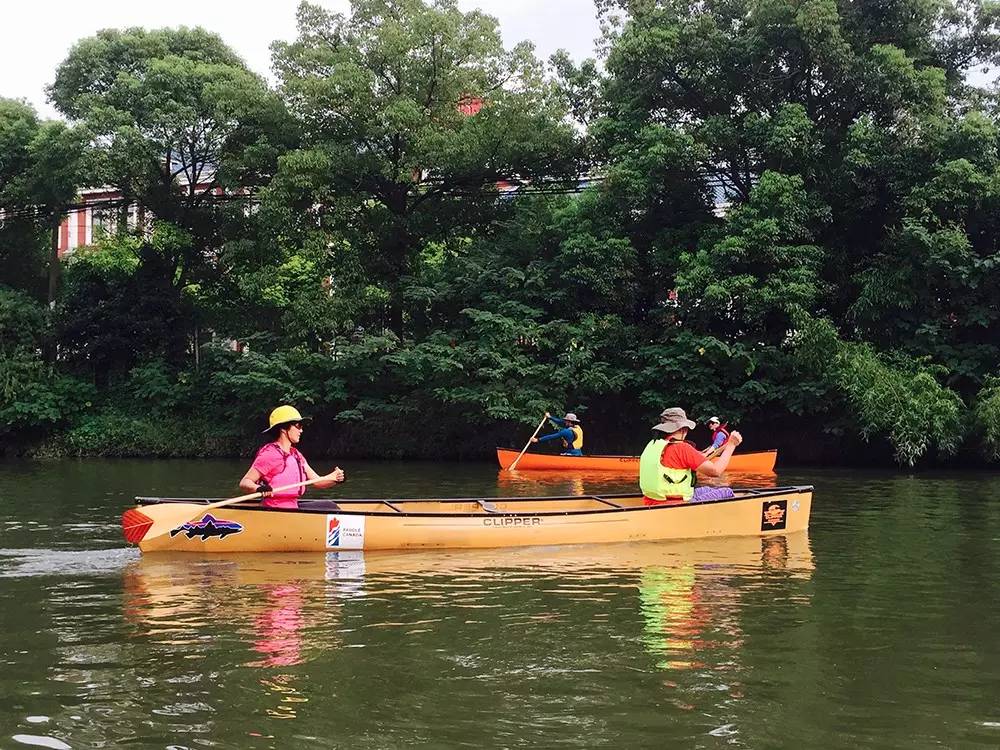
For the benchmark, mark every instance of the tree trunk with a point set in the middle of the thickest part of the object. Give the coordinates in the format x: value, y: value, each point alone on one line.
x: 49, y: 349
x: 396, y: 312
x: 54, y: 267
x: 397, y: 255
x: 121, y: 226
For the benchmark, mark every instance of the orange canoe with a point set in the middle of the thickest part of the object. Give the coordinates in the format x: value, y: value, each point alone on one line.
x: 759, y: 462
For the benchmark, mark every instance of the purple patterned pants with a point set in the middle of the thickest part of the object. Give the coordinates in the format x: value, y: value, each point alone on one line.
x: 701, y: 494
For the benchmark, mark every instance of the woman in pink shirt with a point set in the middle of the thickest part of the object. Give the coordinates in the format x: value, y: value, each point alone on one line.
x: 279, y: 463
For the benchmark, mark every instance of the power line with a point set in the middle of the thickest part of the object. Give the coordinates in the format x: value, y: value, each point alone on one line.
x: 543, y: 186
x: 37, y: 212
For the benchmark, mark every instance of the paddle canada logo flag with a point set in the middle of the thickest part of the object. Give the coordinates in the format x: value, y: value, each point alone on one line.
x: 345, y: 532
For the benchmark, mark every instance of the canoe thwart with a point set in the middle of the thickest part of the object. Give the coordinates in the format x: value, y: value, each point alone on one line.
x: 606, y: 502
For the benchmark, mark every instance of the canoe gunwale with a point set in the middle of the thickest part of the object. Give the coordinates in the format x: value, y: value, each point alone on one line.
x: 631, y: 459
x: 751, y: 462
x: 742, y: 494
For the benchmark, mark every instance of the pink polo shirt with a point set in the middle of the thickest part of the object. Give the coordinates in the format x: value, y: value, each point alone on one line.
x: 278, y: 469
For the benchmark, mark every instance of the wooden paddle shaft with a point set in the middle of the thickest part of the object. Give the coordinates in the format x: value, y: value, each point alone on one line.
x: 514, y: 462
x: 168, y: 516
x: 252, y: 495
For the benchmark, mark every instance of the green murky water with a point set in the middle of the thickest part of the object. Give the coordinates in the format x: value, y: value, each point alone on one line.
x: 877, y: 629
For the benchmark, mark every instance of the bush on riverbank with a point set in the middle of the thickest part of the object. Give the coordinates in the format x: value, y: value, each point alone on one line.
x: 117, y: 435
x: 987, y: 418
x: 35, y: 397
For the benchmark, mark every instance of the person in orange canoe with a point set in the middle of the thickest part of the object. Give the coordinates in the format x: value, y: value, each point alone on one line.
x: 720, y: 435
x: 279, y: 463
x: 570, y: 432
x: 668, y: 466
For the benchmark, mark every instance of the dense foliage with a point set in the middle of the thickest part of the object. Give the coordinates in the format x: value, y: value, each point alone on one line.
x: 785, y: 213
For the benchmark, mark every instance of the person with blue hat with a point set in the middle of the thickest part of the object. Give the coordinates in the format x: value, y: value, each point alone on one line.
x: 279, y: 463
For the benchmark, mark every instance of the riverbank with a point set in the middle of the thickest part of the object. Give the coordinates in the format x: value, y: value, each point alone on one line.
x: 111, y: 434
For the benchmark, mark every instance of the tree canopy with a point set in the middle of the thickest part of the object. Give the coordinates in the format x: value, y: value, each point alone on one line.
x: 411, y: 114
x: 784, y: 213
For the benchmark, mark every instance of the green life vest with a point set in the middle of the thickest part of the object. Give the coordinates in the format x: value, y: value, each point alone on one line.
x: 656, y: 481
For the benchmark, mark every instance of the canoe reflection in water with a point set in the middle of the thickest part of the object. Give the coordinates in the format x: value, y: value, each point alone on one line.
x: 171, y: 595
x: 280, y: 626
x: 691, y: 610
x: 678, y: 601
x: 282, y: 607
x: 269, y: 598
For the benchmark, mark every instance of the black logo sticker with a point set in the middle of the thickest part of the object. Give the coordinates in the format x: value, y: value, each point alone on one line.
x: 772, y: 515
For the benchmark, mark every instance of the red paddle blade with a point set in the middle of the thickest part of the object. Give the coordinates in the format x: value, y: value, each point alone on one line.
x: 135, y: 524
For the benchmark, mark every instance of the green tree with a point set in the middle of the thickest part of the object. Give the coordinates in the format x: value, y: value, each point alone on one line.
x: 931, y: 287
x: 758, y: 268
x: 410, y: 112
x: 859, y: 176
x: 899, y: 403
x: 34, y: 397
x: 178, y: 122
x: 41, y: 165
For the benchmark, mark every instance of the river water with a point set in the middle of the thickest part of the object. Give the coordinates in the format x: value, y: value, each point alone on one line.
x: 878, y: 629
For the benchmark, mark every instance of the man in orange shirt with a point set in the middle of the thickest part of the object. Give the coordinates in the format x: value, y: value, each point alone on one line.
x: 668, y: 466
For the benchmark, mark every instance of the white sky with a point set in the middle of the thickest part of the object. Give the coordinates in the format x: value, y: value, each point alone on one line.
x: 35, y: 35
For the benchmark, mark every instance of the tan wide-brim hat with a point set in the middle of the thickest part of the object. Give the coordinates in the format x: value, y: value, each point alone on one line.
x: 673, y: 419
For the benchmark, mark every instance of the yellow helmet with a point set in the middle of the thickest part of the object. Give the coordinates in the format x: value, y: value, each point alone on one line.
x: 283, y: 415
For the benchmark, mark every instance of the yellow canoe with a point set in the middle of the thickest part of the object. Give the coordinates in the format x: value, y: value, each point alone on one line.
x: 479, y: 522
x: 757, y: 462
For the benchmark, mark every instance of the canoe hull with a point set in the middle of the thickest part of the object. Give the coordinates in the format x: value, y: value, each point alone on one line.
x: 467, y: 524
x: 759, y: 462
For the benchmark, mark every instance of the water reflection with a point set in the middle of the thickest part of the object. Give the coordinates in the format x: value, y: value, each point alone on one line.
x: 275, y: 604
x: 672, y: 613
x: 541, y: 482
x: 693, y: 618
x: 274, y: 600
x: 279, y: 627
x: 288, y: 638
x: 271, y: 600
x: 693, y: 607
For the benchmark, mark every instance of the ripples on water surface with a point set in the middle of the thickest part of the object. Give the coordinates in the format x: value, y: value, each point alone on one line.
x: 878, y: 629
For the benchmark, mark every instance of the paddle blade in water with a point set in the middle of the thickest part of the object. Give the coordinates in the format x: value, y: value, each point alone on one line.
x: 135, y: 524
